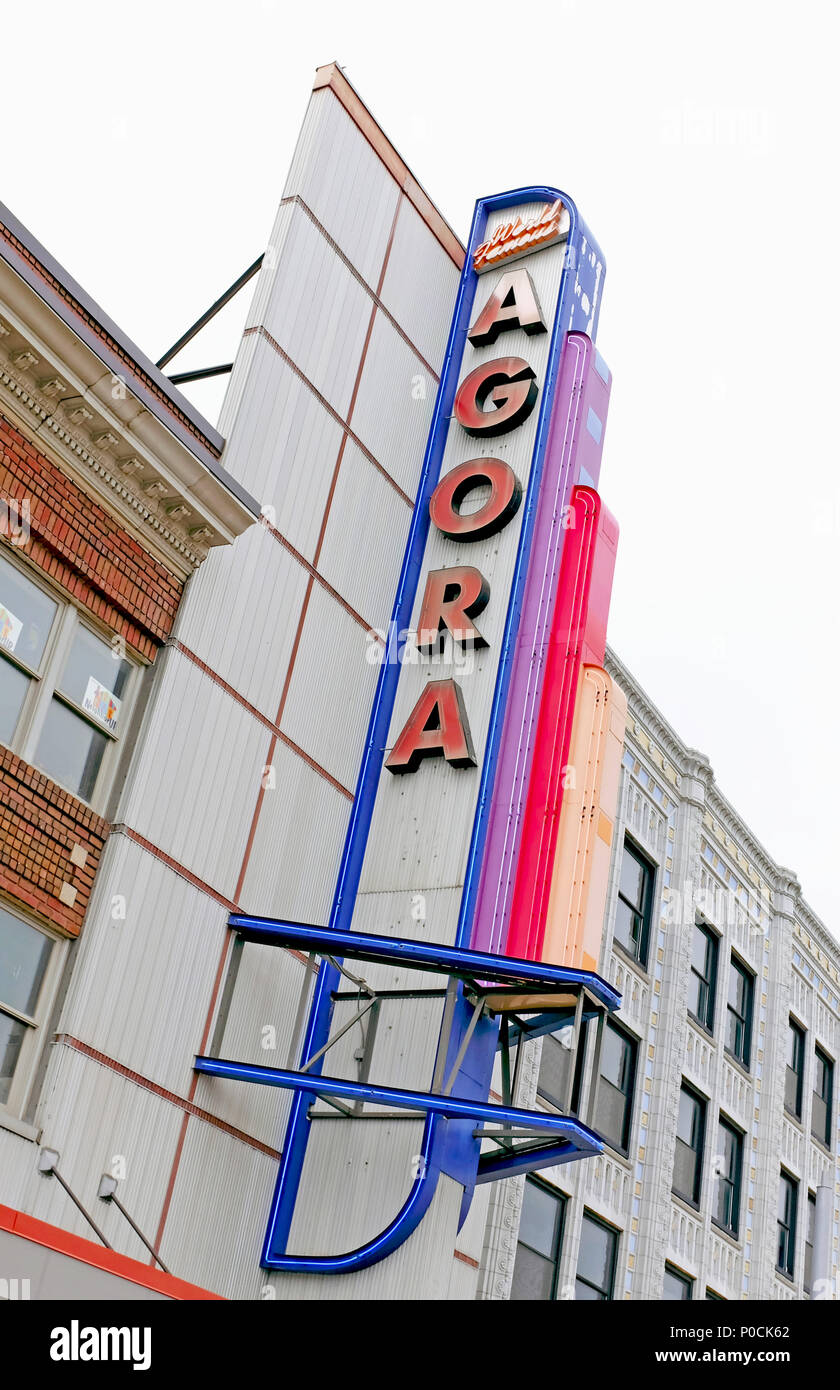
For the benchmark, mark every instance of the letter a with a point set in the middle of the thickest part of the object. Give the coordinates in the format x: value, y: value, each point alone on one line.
x: 437, y: 726
x: 513, y: 304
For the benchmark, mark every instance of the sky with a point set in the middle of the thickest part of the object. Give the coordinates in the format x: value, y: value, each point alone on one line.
x: 147, y: 147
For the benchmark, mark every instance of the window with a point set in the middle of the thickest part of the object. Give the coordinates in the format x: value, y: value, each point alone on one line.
x: 63, y: 688
x: 739, y: 1009
x: 823, y: 1096
x: 788, y: 1194
x: 596, y: 1259
x: 795, y: 1066
x: 555, y: 1061
x: 703, y: 976
x: 688, y: 1158
x: 676, y: 1285
x: 809, y: 1241
x: 25, y: 958
x: 728, y: 1174
x: 614, y: 1110
x: 715, y: 1297
x: 635, y: 895
x: 540, y: 1238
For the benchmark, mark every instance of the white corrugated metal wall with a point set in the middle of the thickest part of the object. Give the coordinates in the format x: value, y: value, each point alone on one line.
x: 241, y: 785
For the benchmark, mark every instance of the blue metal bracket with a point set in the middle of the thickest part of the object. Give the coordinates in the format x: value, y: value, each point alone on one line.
x: 454, y: 1130
x: 449, y: 1144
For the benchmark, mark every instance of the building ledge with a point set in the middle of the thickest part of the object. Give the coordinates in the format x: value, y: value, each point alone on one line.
x: 120, y: 428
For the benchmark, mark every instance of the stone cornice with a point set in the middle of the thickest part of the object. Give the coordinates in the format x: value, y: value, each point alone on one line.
x: 168, y: 503
x: 691, y: 764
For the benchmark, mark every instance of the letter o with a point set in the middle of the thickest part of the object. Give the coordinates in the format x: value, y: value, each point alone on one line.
x: 501, y: 505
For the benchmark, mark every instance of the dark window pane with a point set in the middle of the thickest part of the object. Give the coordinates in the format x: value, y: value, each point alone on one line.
x: 634, y: 902
x: 24, y: 953
x: 699, y: 951
x: 12, y: 1033
x: 688, y: 1119
x: 555, y: 1061
x: 701, y: 980
x: 26, y: 615
x: 612, y: 1110
x: 540, y: 1219
x: 822, y: 1101
x: 809, y: 1242
x: 13, y: 687
x: 70, y: 750
x: 540, y: 1231
x: 627, y: 928
x: 597, y: 1256
x: 533, y: 1276
x: 787, y: 1225
x: 614, y: 1058
x: 688, y: 1149
x: 632, y: 883
x: 92, y: 674
x: 728, y: 1178
x: 615, y: 1090
x: 675, y: 1286
x: 793, y: 1072
x: 585, y: 1293
x: 819, y: 1119
x: 695, y: 995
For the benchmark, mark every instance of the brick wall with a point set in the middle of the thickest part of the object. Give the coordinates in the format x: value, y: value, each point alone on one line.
x: 85, y: 550
x: 41, y: 826
x: 88, y: 554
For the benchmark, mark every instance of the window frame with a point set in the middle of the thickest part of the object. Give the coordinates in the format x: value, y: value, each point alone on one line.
x: 69, y: 619
x: 595, y: 1220
x: 710, y: 984
x: 808, y: 1261
x: 745, y: 1059
x: 682, y: 1278
x: 629, y: 1096
x: 703, y: 1104
x: 577, y: 1079
x: 23, y: 1076
x: 788, y: 1270
x: 800, y: 1034
x: 736, y: 1182
x: 563, y: 1203
x: 641, y: 957
x: 823, y: 1062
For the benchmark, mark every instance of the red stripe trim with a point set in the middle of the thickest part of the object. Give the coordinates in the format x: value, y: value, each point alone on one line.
x: 466, y: 1259
x: 322, y: 400
x: 18, y: 1223
x: 374, y: 294
x: 331, y: 76
x: 310, y: 569
x: 67, y: 1040
x: 255, y: 713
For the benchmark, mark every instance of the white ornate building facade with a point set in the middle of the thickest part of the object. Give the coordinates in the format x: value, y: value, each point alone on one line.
x: 721, y: 1179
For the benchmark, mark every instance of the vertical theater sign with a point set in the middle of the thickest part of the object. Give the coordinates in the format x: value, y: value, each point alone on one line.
x: 468, y: 910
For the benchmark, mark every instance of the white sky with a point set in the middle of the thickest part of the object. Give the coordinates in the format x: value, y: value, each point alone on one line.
x: 147, y: 145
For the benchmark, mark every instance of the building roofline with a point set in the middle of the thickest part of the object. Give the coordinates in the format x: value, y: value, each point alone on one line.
x: 25, y: 255
x: 720, y: 803
x: 331, y: 75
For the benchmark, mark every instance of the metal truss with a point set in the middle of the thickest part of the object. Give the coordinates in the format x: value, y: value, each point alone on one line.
x: 526, y: 998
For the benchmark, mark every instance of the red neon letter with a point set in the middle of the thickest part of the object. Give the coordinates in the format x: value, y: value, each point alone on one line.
x: 496, y: 512
x: 453, y: 597
x: 436, y: 726
x: 513, y: 304
x: 508, y: 382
